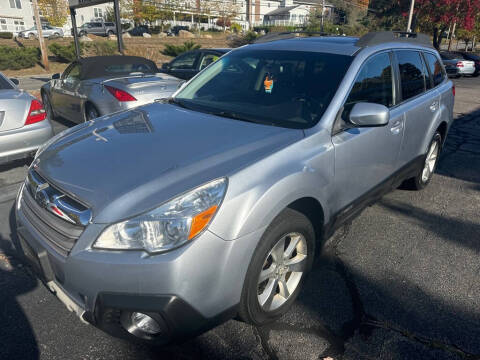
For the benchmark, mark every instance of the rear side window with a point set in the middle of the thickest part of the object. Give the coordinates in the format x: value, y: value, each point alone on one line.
x: 435, y: 68
x: 374, y: 83
x: 109, y: 24
x: 412, y: 73
x: 4, y: 84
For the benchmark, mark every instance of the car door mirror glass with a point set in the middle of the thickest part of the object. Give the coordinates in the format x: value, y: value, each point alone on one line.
x: 369, y: 115
x: 165, y: 66
x: 56, y: 76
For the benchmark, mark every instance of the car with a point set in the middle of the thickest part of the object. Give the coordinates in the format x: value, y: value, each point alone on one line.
x: 464, y: 66
x: 139, y: 30
x: 47, y: 31
x: 162, y: 221
x: 175, y: 30
x: 472, y: 57
x: 187, y: 65
x: 94, y: 86
x: 24, y: 125
x: 98, y: 28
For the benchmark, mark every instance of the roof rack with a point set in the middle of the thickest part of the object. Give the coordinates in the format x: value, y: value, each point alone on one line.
x: 287, y: 35
x: 380, y: 37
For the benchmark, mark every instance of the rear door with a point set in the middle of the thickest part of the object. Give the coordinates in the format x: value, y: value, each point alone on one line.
x: 420, y: 103
x: 366, y: 157
x: 97, y: 28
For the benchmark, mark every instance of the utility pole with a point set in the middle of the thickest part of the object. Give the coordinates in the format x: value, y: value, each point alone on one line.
x: 323, y: 13
x: 410, y: 16
x: 38, y: 23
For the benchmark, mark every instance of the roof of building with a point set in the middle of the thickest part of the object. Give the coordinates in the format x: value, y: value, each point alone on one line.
x: 282, y: 10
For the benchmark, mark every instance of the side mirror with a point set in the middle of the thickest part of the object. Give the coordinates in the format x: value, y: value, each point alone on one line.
x: 369, y: 115
x: 55, y: 76
x: 15, y: 81
x: 165, y: 66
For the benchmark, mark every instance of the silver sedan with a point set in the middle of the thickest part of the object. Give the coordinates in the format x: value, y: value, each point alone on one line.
x: 24, y: 125
x: 100, y: 85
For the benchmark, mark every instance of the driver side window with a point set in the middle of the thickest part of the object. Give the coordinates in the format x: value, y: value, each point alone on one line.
x: 72, y: 74
x: 185, y: 61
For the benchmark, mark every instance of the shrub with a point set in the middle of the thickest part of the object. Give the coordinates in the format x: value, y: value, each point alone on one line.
x: 64, y: 53
x: 175, y: 50
x: 248, y: 38
x: 6, y: 35
x: 236, y: 28
x: 100, y: 48
x: 18, y: 58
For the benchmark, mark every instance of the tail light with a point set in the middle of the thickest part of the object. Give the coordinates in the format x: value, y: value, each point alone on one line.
x: 459, y: 64
x: 120, y: 95
x: 36, y: 113
x: 453, y: 90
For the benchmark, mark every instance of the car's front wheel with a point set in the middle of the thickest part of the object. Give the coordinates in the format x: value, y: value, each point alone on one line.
x: 31, y: 36
x: 278, y: 268
x: 91, y: 112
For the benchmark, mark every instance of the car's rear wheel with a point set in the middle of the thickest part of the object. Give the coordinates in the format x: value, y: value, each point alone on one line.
x: 278, y: 268
x: 110, y: 33
x: 31, y: 36
x: 91, y: 112
x: 429, y: 165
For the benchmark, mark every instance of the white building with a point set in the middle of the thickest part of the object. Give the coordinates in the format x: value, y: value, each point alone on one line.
x: 15, y: 15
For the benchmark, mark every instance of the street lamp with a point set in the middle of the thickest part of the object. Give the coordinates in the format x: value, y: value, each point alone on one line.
x: 410, y: 16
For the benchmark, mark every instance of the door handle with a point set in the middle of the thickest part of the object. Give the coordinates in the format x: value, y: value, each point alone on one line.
x: 434, y: 106
x: 397, y: 127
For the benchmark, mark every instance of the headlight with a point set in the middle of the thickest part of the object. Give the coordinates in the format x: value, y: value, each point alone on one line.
x: 168, y: 226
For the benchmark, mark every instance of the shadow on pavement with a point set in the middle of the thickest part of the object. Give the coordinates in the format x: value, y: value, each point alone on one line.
x: 16, y: 334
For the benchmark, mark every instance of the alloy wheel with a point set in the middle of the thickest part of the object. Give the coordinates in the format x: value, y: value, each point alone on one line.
x: 430, y: 161
x: 282, y: 271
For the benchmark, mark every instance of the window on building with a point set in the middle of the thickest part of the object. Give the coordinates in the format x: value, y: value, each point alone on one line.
x: 12, y: 4
x: 19, y: 25
x: 18, y: 3
x: 3, y: 24
x: 97, y: 12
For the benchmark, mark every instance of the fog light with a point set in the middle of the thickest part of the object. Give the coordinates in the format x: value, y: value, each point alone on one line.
x: 145, y: 323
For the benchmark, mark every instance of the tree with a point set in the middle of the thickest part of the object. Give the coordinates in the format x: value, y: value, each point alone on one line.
x: 226, y: 11
x: 55, y: 11
x: 438, y: 15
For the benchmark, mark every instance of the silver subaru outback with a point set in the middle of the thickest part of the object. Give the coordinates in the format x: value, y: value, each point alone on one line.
x: 161, y: 221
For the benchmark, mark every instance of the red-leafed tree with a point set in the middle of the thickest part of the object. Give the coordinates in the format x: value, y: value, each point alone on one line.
x: 438, y: 15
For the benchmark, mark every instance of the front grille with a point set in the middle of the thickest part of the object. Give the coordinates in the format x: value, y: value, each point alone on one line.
x: 56, y: 231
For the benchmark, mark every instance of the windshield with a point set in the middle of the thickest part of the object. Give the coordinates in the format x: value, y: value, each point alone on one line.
x: 282, y: 88
x: 4, y: 84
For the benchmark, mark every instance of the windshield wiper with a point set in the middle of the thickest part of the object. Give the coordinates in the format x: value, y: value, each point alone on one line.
x: 232, y: 115
x: 176, y: 102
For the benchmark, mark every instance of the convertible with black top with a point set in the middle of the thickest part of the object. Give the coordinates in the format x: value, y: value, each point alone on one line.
x: 100, y: 85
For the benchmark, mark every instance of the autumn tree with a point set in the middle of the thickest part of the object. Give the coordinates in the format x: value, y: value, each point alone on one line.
x: 438, y: 15
x: 55, y: 11
x: 226, y: 10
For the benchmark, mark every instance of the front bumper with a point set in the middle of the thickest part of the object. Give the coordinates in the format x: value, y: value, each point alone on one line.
x: 19, y: 143
x: 192, y: 288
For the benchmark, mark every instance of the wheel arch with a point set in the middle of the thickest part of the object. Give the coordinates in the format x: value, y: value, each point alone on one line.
x: 311, y: 208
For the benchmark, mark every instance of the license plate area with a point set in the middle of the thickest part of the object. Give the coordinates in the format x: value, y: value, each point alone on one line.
x: 37, y: 260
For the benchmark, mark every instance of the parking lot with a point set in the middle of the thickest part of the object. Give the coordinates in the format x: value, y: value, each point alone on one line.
x: 399, y: 282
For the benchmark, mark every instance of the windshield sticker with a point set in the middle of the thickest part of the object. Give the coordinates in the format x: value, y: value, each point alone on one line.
x: 268, y: 84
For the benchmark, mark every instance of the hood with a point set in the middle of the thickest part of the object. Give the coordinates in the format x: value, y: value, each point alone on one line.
x: 130, y: 162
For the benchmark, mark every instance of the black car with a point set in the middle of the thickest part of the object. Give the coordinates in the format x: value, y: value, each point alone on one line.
x: 176, y: 29
x: 187, y: 65
x: 472, y: 57
x: 139, y: 30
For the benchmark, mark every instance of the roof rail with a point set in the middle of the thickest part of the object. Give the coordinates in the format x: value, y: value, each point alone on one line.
x: 287, y: 35
x: 380, y: 37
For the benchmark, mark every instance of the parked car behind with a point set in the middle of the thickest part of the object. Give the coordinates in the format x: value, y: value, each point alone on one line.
x: 139, y: 30
x: 181, y: 214
x: 464, y: 66
x: 99, y: 85
x: 96, y: 28
x: 47, y: 31
x: 189, y: 64
x: 472, y: 57
x: 24, y: 125
x: 174, y: 30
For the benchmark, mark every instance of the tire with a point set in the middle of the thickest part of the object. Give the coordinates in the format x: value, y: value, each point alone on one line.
x: 265, y: 301
x: 31, y: 36
x: 47, y: 104
x: 423, y: 178
x: 82, y: 33
x: 91, y: 112
x: 110, y: 32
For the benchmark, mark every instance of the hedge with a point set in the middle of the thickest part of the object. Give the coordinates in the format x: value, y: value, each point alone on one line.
x: 6, y: 35
x: 14, y: 58
x: 66, y: 53
x: 175, y: 50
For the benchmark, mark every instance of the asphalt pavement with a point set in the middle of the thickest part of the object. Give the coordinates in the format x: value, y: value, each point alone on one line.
x: 399, y: 282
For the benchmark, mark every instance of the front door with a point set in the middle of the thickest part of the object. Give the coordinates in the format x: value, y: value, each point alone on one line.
x: 366, y: 158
